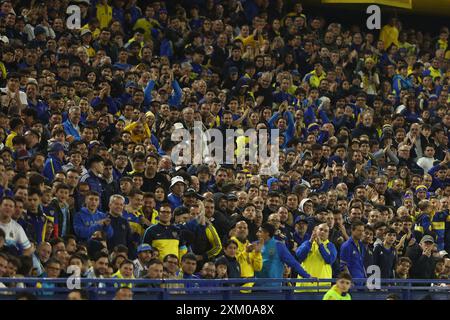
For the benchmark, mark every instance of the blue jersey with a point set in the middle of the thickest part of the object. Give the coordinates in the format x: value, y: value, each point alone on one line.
x: 438, y: 224
x: 352, y: 257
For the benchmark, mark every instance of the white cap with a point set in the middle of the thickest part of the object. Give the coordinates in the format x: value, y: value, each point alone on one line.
x: 176, y: 180
x: 443, y: 253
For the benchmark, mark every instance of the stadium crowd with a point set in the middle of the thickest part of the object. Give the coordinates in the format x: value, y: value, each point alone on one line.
x: 87, y: 178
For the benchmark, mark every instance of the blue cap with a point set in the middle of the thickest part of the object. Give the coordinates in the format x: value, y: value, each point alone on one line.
x: 131, y: 84
x: 56, y: 147
x: 301, y: 218
x: 144, y: 247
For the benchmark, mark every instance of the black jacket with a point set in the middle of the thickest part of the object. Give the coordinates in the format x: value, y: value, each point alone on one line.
x: 122, y: 234
x: 422, y: 266
x: 222, y: 223
x: 55, y: 211
x: 233, y: 267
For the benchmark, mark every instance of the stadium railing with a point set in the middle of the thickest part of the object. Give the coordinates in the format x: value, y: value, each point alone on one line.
x: 229, y: 289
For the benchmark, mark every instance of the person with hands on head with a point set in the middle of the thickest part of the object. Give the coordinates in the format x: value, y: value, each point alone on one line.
x: 317, y: 256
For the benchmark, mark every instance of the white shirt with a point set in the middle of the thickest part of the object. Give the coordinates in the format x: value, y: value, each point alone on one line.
x: 15, y: 235
x: 426, y: 163
x: 22, y: 95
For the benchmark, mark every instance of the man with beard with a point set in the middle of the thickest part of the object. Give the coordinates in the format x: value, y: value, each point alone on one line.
x: 144, y: 255
x: 272, y: 205
x: 248, y: 254
x: 215, y: 210
x: 221, y: 177
x: 242, y: 200
x: 232, y: 203
x: 97, y: 271
x: 366, y: 127
x: 248, y: 216
x: 208, y: 271
x: 151, y: 175
x: 308, y: 167
x: 394, y: 195
x: 318, y: 184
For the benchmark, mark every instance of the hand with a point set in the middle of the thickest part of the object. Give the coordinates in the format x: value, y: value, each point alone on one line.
x: 411, y: 241
x: 145, y: 221
x: 259, y: 245
x: 259, y: 100
x: 250, y: 247
x: 427, y: 252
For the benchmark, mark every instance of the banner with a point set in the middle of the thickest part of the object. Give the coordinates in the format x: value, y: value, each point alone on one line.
x: 407, y: 4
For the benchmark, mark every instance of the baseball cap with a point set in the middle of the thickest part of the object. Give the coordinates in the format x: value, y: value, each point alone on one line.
x: 433, y: 97
x: 231, y: 196
x: 301, y: 218
x: 39, y: 30
x: 131, y: 84
x: 56, y: 147
x: 190, y: 192
x: 427, y: 238
x: 234, y: 70
x: 85, y: 31
x: 180, y: 211
x: 313, y: 126
x: 23, y: 154
x: 144, y: 247
x: 443, y: 253
x: 175, y: 180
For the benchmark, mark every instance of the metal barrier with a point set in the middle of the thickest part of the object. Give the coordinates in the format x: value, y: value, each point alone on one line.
x: 230, y: 289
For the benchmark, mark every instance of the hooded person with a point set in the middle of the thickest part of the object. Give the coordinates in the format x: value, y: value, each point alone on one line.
x: 308, y: 209
x: 221, y: 220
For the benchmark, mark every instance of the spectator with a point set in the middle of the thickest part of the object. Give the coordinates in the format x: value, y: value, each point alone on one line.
x: 340, y: 290
x: 317, y: 255
x: 385, y: 255
x: 89, y: 219
x: 15, y: 235
x: 248, y: 254
x: 144, y: 252
x: 273, y: 264
x: 402, y: 268
x: 353, y: 251
x: 423, y: 263
x: 363, y: 136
